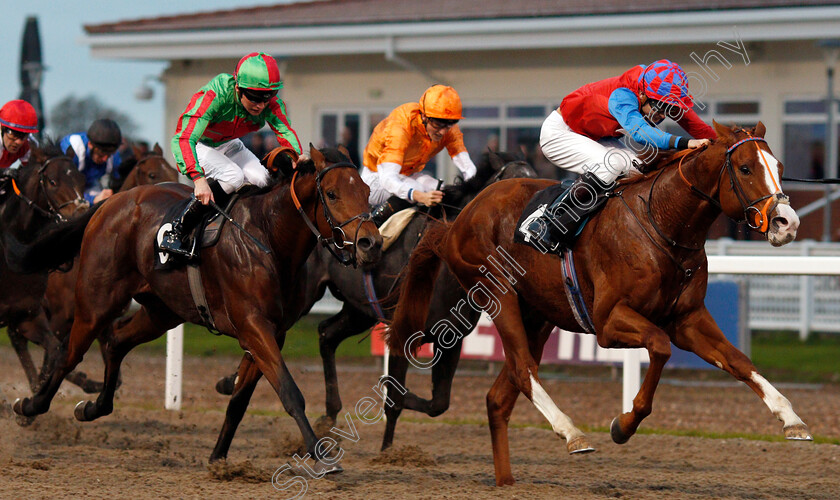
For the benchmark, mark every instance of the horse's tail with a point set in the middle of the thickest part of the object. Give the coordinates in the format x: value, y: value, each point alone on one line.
x: 56, y: 245
x: 416, y: 291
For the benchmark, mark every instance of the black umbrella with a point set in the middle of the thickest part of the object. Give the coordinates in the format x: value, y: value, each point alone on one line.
x: 31, y: 68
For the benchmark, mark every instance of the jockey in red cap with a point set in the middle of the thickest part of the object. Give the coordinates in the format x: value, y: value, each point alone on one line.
x: 17, y: 121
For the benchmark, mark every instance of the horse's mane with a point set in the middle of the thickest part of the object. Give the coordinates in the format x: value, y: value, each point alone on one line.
x: 661, y: 162
x: 304, y: 169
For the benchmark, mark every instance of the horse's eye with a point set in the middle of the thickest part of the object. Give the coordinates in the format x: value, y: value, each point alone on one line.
x: 745, y: 170
x: 152, y: 175
x: 331, y: 195
x: 53, y: 183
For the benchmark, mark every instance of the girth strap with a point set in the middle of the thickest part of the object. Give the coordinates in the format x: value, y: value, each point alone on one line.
x: 197, y: 291
x: 573, y: 293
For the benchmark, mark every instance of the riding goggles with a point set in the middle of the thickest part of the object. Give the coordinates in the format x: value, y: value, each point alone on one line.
x: 258, y: 96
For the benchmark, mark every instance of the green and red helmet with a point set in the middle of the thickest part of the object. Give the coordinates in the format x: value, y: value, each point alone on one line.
x: 258, y: 71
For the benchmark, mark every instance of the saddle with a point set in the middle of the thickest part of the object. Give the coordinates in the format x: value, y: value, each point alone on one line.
x: 206, y: 233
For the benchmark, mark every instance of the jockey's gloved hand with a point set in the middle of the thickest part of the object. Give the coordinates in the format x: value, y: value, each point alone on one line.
x: 7, y: 173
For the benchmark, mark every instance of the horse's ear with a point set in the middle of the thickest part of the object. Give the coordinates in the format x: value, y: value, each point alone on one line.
x: 70, y: 152
x: 157, y: 150
x: 317, y: 157
x: 36, y: 152
x: 759, y: 130
x: 495, y: 160
x: 723, y: 131
x: 138, y: 153
x: 344, y: 151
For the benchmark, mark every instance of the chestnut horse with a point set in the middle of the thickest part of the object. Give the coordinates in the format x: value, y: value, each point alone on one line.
x: 643, y: 274
x: 149, y: 168
x: 253, y: 295
x: 46, y: 191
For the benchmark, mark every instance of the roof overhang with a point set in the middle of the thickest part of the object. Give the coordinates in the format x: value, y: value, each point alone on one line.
x: 776, y: 24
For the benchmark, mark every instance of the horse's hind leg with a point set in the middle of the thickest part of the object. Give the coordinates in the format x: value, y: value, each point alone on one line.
x: 700, y: 334
x: 331, y: 332
x: 85, y: 329
x: 150, y: 322
x: 21, y: 346
x: 442, y: 373
x: 246, y: 381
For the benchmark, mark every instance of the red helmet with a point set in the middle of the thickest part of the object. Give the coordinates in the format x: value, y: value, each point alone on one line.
x: 441, y: 101
x: 19, y: 115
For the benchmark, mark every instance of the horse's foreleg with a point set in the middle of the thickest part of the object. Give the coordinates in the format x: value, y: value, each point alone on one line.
x: 246, y: 381
x: 331, y: 332
x: 700, y: 334
x: 397, y: 369
x: 627, y: 328
x: 500, y: 402
x: 147, y: 324
x: 258, y: 338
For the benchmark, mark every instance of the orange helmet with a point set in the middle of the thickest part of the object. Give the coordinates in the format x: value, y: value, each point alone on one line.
x: 440, y: 101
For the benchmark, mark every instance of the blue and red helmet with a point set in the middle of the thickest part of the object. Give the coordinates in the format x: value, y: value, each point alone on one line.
x: 665, y: 81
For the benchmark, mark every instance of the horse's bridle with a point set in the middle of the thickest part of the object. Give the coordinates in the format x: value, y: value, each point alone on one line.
x: 758, y: 219
x: 339, y: 237
x: 54, y: 208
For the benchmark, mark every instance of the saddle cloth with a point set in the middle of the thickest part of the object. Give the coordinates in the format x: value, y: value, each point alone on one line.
x: 394, y: 226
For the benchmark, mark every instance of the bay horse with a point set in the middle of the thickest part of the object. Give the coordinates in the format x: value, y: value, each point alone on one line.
x: 148, y: 168
x: 253, y: 296
x: 643, y: 275
x: 358, y: 314
x: 45, y: 191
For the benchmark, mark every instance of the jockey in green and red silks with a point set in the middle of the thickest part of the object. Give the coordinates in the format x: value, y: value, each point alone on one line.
x: 206, y: 142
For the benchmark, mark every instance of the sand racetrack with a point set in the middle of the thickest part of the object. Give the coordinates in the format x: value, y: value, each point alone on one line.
x: 144, y: 451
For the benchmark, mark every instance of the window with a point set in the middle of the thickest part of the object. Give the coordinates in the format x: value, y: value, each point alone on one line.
x: 804, y: 139
x: 744, y: 113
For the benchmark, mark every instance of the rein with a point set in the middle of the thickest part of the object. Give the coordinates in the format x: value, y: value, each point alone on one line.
x: 339, y: 237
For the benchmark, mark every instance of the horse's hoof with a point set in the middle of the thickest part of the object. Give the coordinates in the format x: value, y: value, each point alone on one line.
x: 798, y: 432
x: 321, y: 468
x: 505, y: 481
x: 92, y: 387
x: 225, y: 385
x: 617, y: 435
x: 24, y: 421
x: 79, y: 411
x: 17, y: 407
x: 579, y: 445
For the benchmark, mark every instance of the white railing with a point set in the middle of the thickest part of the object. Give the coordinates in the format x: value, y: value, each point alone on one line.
x: 800, y: 303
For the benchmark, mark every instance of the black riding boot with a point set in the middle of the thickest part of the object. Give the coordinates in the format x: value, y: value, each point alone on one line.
x: 173, y: 240
x: 558, y: 226
x: 380, y: 213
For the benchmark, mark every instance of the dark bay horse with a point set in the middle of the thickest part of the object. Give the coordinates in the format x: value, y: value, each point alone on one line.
x: 253, y: 296
x: 148, y: 168
x: 46, y: 191
x: 358, y: 314
x: 643, y: 272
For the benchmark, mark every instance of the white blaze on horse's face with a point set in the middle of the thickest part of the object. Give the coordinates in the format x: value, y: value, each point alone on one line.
x: 785, y: 222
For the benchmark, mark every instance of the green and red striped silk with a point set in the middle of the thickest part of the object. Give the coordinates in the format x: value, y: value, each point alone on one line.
x: 215, y: 116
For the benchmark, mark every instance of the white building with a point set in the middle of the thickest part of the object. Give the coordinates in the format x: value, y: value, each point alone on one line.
x: 349, y: 62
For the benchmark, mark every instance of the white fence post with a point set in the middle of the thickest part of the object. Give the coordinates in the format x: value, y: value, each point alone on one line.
x: 631, y: 378
x: 174, y: 367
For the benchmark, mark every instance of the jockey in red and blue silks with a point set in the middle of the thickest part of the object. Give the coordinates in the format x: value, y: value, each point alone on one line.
x: 582, y: 136
x: 96, y: 157
x: 206, y: 142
